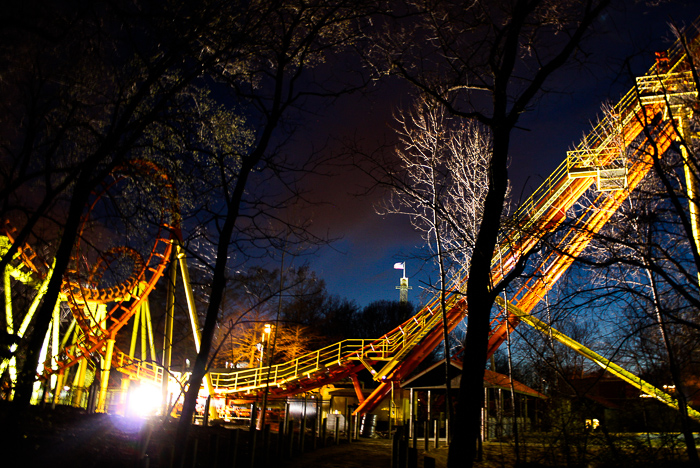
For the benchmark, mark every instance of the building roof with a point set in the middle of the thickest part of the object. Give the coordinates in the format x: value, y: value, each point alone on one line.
x: 433, y: 378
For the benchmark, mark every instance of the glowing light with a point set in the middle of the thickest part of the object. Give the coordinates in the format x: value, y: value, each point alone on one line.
x: 144, y: 400
x: 592, y: 424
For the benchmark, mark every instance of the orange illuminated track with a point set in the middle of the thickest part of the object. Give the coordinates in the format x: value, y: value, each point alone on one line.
x: 546, y: 209
x: 85, y: 290
x: 597, y: 160
x: 615, y: 157
x: 548, y: 212
x: 103, y: 297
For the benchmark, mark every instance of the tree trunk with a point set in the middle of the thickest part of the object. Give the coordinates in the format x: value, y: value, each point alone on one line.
x: 443, y: 305
x: 467, y: 424
x: 686, y: 428
x: 42, y: 319
x: 218, y: 285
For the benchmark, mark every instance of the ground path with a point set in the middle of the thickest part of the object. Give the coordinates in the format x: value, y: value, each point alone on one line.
x: 363, y: 453
x: 376, y: 453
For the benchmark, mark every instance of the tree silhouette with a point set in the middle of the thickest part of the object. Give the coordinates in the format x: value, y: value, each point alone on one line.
x: 497, y: 59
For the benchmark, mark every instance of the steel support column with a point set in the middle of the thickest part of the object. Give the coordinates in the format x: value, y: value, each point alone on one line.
x: 104, y: 377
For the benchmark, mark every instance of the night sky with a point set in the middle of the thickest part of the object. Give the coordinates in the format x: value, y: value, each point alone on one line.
x: 359, y: 266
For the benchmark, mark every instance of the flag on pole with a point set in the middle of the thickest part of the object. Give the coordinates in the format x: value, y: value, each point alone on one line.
x: 399, y: 266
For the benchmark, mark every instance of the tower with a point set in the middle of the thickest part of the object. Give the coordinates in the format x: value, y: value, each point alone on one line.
x: 403, y: 286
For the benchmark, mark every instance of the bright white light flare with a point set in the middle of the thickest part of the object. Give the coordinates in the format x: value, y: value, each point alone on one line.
x: 144, y: 400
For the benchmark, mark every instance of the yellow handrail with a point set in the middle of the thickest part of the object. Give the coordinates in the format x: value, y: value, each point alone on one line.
x: 606, y: 364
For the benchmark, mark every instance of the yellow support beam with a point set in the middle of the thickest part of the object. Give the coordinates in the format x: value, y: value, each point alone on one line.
x: 8, y: 301
x: 149, y: 329
x: 104, y: 381
x: 168, y: 335
x: 192, y: 308
x: 11, y: 363
x: 606, y: 364
x: 144, y: 332
x: 59, y: 387
x: 55, y: 338
x: 134, y: 333
x: 79, y: 383
x: 691, y: 178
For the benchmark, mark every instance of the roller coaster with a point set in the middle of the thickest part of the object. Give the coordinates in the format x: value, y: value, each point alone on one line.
x: 610, y: 162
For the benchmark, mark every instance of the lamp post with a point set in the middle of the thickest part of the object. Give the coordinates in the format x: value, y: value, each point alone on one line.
x: 267, y: 334
x: 265, y: 343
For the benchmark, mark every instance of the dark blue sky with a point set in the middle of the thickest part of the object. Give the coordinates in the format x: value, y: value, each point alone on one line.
x: 359, y: 266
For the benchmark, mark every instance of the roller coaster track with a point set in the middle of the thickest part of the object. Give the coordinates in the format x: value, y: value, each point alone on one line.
x: 102, y: 306
x: 615, y: 156
x: 126, y: 296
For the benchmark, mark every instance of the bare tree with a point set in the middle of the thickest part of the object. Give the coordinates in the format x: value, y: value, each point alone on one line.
x: 498, y: 58
x: 440, y: 183
x: 290, y: 39
x: 91, y: 86
x: 646, y: 255
x: 171, y: 83
x: 655, y: 239
x: 253, y: 301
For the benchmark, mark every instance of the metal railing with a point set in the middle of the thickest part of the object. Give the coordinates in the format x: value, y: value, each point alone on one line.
x: 137, y: 369
x: 599, y: 147
x: 389, y: 347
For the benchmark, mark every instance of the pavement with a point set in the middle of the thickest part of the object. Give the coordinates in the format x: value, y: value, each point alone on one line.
x: 363, y: 453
